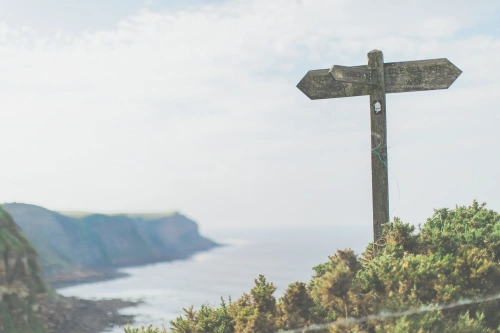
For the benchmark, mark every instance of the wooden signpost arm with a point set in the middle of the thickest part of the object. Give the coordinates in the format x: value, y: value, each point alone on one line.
x: 380, y: 184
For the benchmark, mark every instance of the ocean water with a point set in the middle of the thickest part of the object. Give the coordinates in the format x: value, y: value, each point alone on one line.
x: 283, y: 255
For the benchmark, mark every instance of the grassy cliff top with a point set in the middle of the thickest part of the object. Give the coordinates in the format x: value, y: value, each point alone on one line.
x: 144, y: 216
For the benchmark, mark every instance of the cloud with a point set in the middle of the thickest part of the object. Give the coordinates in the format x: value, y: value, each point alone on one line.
x: 196, y: 109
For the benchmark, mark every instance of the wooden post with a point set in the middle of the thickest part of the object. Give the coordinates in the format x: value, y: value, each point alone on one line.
x: 380, y: 182
x: 376, y: 79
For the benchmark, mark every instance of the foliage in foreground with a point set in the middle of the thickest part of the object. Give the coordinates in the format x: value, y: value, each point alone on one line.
x: 454, y: 256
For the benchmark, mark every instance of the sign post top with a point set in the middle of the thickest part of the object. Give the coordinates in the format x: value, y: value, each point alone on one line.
x: 406, y: 76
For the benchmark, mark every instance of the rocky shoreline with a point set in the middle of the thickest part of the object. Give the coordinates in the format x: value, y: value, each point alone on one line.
x: 74, y: 315
x: 72, y: 278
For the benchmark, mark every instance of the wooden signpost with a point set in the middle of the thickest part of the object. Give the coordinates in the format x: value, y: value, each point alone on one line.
x: 377, y: 79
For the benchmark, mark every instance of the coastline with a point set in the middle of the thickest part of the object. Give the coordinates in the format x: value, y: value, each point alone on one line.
x: 75, y: 278
x: 76, y: 315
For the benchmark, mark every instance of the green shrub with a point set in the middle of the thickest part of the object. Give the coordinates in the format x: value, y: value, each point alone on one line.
x: 454, y: 256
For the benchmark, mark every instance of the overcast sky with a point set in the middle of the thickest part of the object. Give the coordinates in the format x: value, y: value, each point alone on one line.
x: 155, y: 106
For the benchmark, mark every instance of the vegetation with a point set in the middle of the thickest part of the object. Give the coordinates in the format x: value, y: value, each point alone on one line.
x: 20, y: 281
x: 453, y: 256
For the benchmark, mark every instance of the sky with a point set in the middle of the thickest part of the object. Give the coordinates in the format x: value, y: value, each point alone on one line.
x: 191, y: 106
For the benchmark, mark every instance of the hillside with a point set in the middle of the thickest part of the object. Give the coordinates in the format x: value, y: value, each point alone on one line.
x: 29, y: 305
x: 21, y: 286
x: 84, y: 246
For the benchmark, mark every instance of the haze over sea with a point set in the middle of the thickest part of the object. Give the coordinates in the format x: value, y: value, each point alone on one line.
x: 283, y: 255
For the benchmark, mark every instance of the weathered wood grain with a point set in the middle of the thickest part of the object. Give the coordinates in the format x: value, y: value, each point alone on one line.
x: 319, y: 84
x: 399, y: 77
x: 431, y: 74
x: 378, y: 121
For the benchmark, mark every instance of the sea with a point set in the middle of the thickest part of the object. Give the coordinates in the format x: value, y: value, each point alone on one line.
x: 283, y: 254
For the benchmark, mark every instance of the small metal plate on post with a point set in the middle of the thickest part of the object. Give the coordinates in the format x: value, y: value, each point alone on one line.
x: 355, y: 74
x: 377, y: 106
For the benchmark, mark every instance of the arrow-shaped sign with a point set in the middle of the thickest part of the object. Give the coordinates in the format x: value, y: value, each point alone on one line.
x: 319, y: 84
x: 342, y: 81
x: 419, y: 75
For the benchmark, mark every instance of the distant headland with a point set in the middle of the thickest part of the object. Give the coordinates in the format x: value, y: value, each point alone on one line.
x: 78, y: 247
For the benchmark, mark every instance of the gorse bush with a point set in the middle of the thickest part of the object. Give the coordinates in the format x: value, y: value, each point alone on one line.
x: 453, y: 256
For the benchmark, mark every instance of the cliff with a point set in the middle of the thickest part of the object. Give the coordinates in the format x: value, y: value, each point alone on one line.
x: 29, y: 305
x: 76, y: 247
x: 21, y: 286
